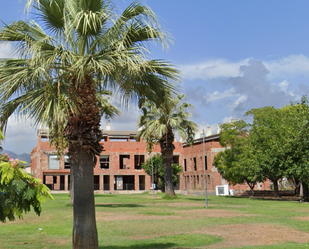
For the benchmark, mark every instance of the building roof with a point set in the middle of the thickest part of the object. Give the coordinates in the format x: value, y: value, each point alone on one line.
x: 200, y: 140
x: 44, y: 133
x: 131, y: 134
x: 119, y: 134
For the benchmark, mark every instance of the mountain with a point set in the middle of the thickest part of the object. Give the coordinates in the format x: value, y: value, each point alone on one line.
x: 23, y: 157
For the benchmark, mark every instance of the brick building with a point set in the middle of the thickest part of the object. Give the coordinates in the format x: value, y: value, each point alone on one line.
x: 118, y: 168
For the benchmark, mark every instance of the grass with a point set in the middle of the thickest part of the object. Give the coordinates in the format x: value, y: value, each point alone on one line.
x: 144, y: 221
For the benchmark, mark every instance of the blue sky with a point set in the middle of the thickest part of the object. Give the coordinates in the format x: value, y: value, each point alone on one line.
x: 233, y: 56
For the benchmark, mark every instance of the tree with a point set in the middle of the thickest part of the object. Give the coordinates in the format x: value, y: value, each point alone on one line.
x: 158, y: 170
x: 61, y: 69
x: 270, y: 137
x: 19, y: 191
x: 238, y: 163
x: 158, y: 123
x: 297, y: 119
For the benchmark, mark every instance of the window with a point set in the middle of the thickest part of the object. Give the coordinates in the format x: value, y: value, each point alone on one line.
x: 104, y: 162
x: 53, y: 162
x: 138, y: 161
x: 176, y: 159
x: 66, y: 160
x: 124, y: 162
x: 194, y: 163
x: 205, y: 162
x: 185, y: 164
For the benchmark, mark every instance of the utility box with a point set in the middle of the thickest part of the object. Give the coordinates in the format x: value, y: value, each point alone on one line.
x: 222, y: 190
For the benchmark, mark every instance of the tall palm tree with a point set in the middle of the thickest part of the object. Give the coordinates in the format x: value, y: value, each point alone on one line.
x: 81, y: 49
x: 159, y: 122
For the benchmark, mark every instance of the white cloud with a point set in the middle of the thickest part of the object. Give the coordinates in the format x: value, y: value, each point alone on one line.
x: 240, y: 101
x: 216, y: 96
x: 287, y: 66
x: 283, y: 85
x: 19, y: 136
x: 6, y: 50
x: 126, y: 121
x: 282, y: 68
x: 212, y: 69
x: 250, y: 89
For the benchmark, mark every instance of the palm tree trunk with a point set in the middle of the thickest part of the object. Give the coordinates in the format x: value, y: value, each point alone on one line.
x: 83, y: 134
x: 71, y: 185
x: 167, y: 148
x: 85, y: 234
x: 169, y: 186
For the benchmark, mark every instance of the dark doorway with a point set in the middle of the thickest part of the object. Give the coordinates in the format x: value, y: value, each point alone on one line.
x: 62, y: 182
x: 96, y: 182
x: 141, y: 182
x: 106, y: 182
x: 128, y: 183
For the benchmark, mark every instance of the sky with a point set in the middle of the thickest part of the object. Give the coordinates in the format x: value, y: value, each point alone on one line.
x: 233, y: 56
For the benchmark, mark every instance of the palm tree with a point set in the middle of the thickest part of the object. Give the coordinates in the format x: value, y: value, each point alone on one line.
x: 61, y: 68
x: 159, y: 122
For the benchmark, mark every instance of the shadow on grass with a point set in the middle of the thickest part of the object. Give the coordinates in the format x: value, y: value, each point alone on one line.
x: 142, y: 246
x: 104, y: 195
x: 198, y: 199
x: 118, y: 205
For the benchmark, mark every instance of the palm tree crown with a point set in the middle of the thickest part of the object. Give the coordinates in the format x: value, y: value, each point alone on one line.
x: 66, y: 59
x: 159, y: 123
x: 82, y: 43
x: 171, y: 114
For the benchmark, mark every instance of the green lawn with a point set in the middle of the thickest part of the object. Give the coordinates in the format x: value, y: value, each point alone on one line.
x: 144, y: 221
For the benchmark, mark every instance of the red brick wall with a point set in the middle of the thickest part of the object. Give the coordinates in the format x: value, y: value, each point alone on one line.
x: 190, y: 179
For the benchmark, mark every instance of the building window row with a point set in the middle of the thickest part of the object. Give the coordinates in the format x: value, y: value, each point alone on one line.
x: 195, y: 168
x: 104, y: 162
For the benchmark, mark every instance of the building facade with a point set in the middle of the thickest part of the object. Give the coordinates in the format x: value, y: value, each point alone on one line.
x: 118, y: 167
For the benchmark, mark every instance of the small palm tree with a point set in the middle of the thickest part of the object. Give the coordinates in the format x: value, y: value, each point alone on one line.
x: 159, y: 122
x: 62, y: 68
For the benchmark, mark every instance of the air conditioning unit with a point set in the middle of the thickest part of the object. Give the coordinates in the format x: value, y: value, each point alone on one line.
x: 222, y: 189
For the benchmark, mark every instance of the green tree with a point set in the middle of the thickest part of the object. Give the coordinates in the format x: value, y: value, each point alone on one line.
x: 158, y: 170
x: 158, y: 123
x: 297, y: 120
x: 19, y: 191
x: 82, y: 49
x: 238, y: 163
x: 269, y: 135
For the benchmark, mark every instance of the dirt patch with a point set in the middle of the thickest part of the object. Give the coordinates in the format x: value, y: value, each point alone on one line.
x: 303, y: 218
x: 240, y: 235
x: 216, y: 213
x: 181, y: 204
x: 122, y: 217
x: 183, y: 214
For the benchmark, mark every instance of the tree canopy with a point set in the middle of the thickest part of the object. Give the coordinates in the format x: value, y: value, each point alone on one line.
x: 19, y: 191
x: 238, y: 163
x: 274, y: 146
x: 158, y: 170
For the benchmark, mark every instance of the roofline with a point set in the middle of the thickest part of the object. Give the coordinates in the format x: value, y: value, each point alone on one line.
x: 109, y: 133
x: 132, y: 134
x: 200, y: 140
